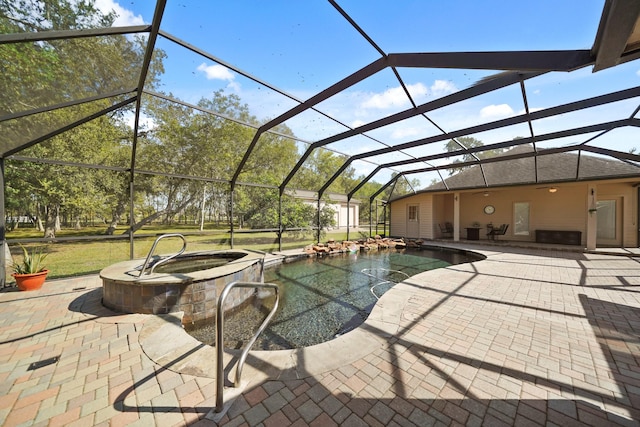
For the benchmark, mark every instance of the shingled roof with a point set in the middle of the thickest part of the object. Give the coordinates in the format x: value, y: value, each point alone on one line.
x: 511, y: 168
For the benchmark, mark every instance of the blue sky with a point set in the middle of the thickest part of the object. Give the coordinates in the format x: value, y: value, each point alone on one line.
x: 302, y: 47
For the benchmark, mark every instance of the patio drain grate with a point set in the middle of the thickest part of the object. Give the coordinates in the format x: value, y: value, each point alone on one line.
x: 42, y: 363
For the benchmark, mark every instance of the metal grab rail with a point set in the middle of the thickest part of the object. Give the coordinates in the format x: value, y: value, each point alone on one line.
x: 162, y: 261
x: 264, y: 259
x: 367, y: 270
x: 220, y: 335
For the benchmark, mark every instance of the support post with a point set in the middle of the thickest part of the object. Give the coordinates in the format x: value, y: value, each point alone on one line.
x: 348, y: 215
x: 131, y: 218
x: 3, y: 260
x: 592, y: 218
x: 388, y: 206
x: 318, y: 221
x: 231, y: 217
x: 456, y: 217
x: 384, y: 220
x: 280, y: 222
x: 371, y: 215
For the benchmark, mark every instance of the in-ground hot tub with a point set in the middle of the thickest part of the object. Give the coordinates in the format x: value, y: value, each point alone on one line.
x: 189, y: 283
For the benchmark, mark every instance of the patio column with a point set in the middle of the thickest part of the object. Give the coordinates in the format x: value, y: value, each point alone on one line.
x: 5, y: 255
x: 456, y: 217
x: 592, y: 217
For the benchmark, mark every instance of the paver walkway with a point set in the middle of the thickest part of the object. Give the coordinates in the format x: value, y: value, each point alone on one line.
x: 525, y: 337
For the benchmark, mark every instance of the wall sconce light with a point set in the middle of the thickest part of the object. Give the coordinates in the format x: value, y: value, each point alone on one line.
x: 553, y: 190
x: 486, y: 194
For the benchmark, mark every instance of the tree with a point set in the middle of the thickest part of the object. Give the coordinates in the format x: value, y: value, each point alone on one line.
x: 46, y: 73
x: 459, y: 147
x: 209, y: 146
x: 364, y: 194
x: 319, y: 167
x: 402, y: 186
x: 31, y: 70
x: 46, y: 190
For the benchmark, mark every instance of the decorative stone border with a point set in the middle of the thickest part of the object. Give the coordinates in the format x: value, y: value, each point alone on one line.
x: 194, y: 294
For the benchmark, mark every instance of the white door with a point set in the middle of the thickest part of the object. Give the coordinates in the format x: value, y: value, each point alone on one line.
x: 609, y: 222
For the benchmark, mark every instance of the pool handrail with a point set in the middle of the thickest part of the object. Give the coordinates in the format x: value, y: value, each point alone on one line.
x: 264, y: 259
x: 163, y: 260
x: 220, y: 337
x: 367, y: 271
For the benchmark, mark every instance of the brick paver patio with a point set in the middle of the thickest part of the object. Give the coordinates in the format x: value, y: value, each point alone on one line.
x: 525, y: 337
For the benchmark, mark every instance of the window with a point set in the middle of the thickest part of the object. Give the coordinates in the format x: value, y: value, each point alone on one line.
x: 521, y: 218
x: 413, y: 213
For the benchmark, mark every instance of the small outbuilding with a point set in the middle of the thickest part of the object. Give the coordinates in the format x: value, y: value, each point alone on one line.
x: 346, y: 211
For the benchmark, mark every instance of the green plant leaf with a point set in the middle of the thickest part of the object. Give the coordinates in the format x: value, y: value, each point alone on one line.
x: 32, y: 262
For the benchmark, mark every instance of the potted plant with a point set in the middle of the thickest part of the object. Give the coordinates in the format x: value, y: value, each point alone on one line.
x: 30, y: 273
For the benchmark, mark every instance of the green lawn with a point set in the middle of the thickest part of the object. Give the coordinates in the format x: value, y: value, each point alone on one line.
x: 73, y: 258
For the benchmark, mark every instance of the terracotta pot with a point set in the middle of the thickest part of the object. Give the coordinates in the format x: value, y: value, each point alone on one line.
x: 30, y: 282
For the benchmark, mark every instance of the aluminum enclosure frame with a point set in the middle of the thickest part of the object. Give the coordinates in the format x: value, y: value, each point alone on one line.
x: 612, y: 46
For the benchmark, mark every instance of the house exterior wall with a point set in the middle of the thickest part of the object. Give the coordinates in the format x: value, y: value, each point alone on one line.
x: 337, y: 202
x: 442, y: 212
x: 341, y: 215
x: 398, y: 218
x: 398, y: 221
x: 566, y: 209
x: 427, y: 218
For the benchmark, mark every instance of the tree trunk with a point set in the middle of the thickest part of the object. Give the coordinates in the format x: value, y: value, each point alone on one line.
x: 202, y: 208
x: 51, y: 220
x: 137, y: 226
x: 115, y: 218
x: 170, y: 211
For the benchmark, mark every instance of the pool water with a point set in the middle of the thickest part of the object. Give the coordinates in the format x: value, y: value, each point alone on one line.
x: 188, y: 263
x: 321, y: 298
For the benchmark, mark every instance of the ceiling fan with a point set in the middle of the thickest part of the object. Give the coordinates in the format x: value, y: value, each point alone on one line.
x: 550, y: 189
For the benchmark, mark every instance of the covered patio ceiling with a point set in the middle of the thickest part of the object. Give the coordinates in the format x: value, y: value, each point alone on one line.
x: 367, y: 144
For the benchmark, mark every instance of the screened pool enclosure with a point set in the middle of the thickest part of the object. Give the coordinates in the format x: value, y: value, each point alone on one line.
x: 119, y: 124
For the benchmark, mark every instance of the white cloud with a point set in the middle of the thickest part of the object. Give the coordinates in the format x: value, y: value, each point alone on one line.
x: 495, y: 111
x: 418, y: 90
x: 405, y: 132
x: 124, y: 18
x: 638, y: 73
x: 394, y: 97
x: 442, y: 87
x: 216, y: 72
x: 145, y: 122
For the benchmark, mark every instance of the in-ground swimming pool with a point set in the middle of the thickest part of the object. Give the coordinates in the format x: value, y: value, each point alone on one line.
x: 325, y: 297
